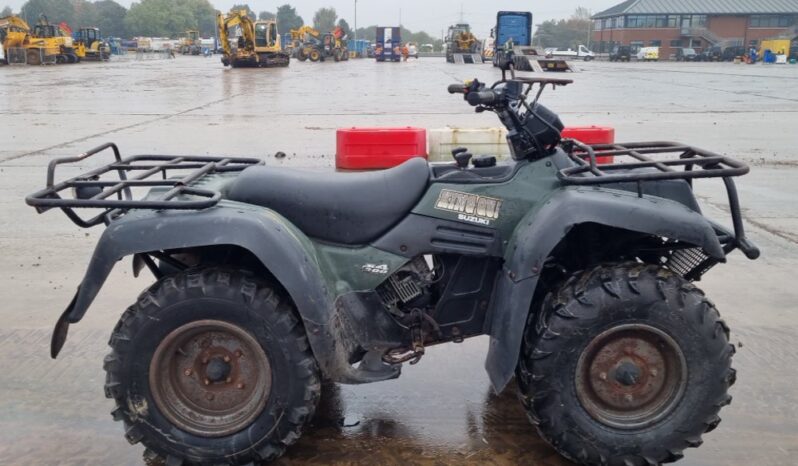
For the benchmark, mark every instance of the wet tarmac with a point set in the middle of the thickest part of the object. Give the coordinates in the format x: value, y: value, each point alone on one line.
x: 441, y: 411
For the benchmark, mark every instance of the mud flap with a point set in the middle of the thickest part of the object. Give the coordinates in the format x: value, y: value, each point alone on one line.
x: 62, y: 328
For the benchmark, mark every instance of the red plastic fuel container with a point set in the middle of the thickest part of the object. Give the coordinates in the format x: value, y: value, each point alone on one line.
x: 369, y: 148
x: 592, y: 135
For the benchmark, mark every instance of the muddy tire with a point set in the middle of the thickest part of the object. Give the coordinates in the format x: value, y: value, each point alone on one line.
x: 211, y: 366
x: 33, y: 58
x: 625, y: 365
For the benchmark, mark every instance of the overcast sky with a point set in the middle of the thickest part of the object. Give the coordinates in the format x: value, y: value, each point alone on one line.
x: 427, y: 15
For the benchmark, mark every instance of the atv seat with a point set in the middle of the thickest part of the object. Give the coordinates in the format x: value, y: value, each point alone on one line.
x: 348, y: 208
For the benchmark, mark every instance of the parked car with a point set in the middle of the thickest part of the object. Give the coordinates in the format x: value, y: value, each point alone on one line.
x: 648, y: 54
x: 686, y: 54
x: 621, y: 53
x: 581, y: 52
x: 714, y: 53
x: 730, y: 53
x: 412, y: 50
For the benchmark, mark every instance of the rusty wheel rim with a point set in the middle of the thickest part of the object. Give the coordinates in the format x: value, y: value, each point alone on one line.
x: 631, y: 376
x: 210, y: 378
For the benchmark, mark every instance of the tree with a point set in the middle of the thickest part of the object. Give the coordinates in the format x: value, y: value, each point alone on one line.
x: 565, y: 33
x: 246, y: 7
x: 110, y: 18
x: 55, y: 10
x: 287, y: 19
x: 419, y: 38
x: 266, y: 15
x: 345, y: 27
x: 7, y: 11
x: 169, y: 18
x: 324, y: 19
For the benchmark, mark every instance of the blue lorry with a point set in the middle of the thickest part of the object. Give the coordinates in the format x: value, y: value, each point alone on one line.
x: 389, y: 43
x: 513, y: 37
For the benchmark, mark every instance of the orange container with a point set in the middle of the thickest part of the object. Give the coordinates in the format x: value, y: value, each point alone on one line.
x: 592, y: 135
x: 369, y: 148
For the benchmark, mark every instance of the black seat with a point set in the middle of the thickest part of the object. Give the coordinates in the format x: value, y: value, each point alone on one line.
x: 348, y: 208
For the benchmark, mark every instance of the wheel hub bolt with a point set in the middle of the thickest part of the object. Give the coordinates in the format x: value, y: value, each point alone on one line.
x: 628, y: 398
x: 188, y: 372
x: 227, y: 359
x: 240, y: 386
x: 207, y: 382
x: 603, y: 376
x: 239, y: 353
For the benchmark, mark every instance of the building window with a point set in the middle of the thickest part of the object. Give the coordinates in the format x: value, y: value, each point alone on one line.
x: 597, y: 25
x: 655, y: 43
x: 673, y: 21
x: 696, y: 43
x: 771, y: 21
x: 699, y: 20
x: 676, y: 43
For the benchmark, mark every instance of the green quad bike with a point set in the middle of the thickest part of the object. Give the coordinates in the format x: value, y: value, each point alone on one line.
x: 269, y: 280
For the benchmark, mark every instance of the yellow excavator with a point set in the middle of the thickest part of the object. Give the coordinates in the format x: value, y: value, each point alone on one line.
x: 258, y: 44
x: 13, y: 32
x: 44, y: 43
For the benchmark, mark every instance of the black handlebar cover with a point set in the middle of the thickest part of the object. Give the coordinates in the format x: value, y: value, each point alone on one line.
x: 457, y: 88
x: 489, y: 97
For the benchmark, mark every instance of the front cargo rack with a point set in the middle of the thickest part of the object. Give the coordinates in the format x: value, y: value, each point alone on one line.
x: 138, y: 171
x: 633, y: 163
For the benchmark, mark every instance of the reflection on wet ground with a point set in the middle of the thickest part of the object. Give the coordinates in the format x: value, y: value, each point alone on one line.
x: 441, y: 411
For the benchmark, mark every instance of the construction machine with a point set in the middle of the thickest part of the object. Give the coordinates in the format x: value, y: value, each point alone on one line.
x: 190, y: 43
x: 258, y: 43
x: 45, y: 43
x: 461, y: 45
x: 513, y: 43
x: 316, y: 46
x: 13, y: 32
x: 89, y: 45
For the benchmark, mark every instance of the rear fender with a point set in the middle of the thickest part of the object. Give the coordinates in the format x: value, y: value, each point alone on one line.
x: 541, y: 230
x: 282, y: 249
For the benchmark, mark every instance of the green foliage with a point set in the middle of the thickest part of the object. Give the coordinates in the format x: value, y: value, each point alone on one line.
x: 170, y: 18
x: 246, y: 7
x: 324, y: 19
x: 266, y: 15
x: 55, y: 10
x: 564, y: 33
x: 110, y: 18
x: 345, y: 26
x: 421, y: 37
x: 7, y: 11
x: 287, y: 19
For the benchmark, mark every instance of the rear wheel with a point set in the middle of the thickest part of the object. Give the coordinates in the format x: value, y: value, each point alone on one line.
x: 314, y: 55
x: 625, y: 365
x: 212, y: 366
x: 33, y: 57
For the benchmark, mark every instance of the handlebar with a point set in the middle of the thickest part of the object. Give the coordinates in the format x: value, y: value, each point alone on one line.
x: 488, y: 97
x: 457, y: 89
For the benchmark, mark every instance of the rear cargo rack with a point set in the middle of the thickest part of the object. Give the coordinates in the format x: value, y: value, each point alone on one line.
x: 89, y: 191
x: 632, y: 162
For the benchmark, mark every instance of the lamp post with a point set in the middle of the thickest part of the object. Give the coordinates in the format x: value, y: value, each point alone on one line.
x: 355, y: 25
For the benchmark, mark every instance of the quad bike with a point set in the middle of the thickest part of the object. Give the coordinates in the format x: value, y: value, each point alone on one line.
x: 268, y: 279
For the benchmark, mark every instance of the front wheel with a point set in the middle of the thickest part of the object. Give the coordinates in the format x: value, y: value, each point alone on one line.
x: 625, y: 365
x: 212, y: 366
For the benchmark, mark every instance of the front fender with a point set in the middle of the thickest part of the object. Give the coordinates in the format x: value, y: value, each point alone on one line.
x: 282, y: 249
x: 543, y: 228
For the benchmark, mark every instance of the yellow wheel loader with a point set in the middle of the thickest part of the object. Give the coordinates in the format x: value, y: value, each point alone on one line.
x: 190, y: 43
x: 90, y: 46
x: 257, y: 45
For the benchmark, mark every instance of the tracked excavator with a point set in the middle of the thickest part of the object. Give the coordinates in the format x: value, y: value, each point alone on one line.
x: 258, y: 43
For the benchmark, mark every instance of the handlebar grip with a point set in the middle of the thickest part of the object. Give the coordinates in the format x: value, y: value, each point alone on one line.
x: 481, y: 98
x: 457, y: 89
